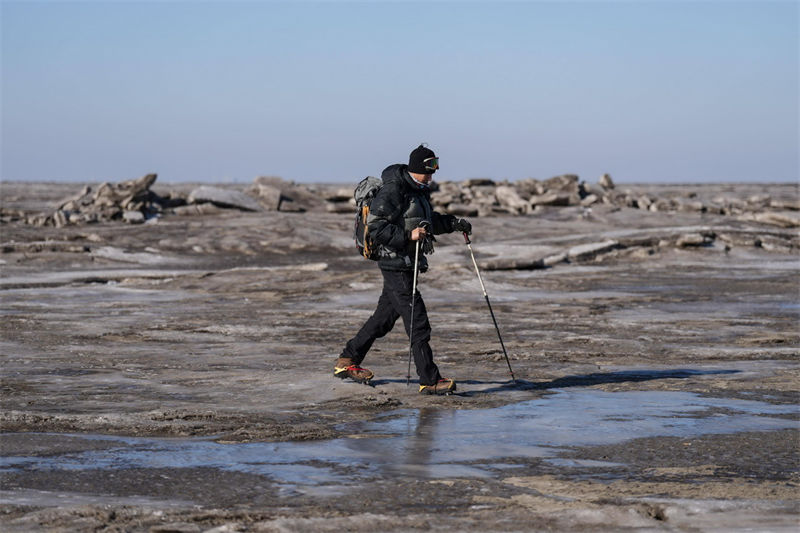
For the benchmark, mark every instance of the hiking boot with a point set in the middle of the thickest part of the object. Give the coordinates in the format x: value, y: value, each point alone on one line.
x: 345, y: 368
x: 443, y: 386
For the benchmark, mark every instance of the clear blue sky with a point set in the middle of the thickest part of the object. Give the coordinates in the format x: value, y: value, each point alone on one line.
x: 226, y: 91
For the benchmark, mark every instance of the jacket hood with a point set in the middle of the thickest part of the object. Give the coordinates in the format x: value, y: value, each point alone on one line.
x: 399, y: 173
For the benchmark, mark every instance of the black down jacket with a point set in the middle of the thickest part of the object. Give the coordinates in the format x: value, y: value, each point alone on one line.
x: 400, y: 205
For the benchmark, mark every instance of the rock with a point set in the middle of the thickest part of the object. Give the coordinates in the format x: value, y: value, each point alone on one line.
x: 661, y: 205
x: 628, y: 200
x: 448, y: 187
x: 550, y: 199
x: 290, y: 206
x: 340, y: 195
x: 792, y: 205
x: 759, y: 200
x: 36, y: 220
x: 731, y: 205
x: 447, y: 193
x: 485, y: 210
x: 529, y: 187
x: 590, y: 200
x: 606, y: 182
x: 462, y: 210
x: 551, y: 260
x: 691, y: 239
x: 269, y: 196
x: 340, y: 207
x: 641, y: 253
x: 775, y: 219
x: 10, y: 215
x: 644, y: 202
x: 513, y: 264
x: 442, y: 199
x: 133, y: 217
x: 224, y: 198
x: 587, y: 251
x: 690, y: 206
x: 125, y: 192
x: 197, y: 209
x: 74, y: 203
x: 304, y: 197
x: 483, y: 195
x: 60, y: 218
x: 638, y: 241
x: 773, y: 244
x: 478, y: 182
x: 508, y: 197
x: 565, y: 183
x: 170, y: 200
x: 738, y: 239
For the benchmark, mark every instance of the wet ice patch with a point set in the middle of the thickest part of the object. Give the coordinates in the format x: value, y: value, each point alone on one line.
x: 435, y: 443
x: 576, y: 417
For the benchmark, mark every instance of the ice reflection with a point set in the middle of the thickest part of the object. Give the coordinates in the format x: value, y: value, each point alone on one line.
x: 431, y: 443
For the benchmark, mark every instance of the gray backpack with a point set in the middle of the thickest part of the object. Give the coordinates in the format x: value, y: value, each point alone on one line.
x: 365, y: 191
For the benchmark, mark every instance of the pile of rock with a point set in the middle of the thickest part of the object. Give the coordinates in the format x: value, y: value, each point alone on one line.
x: 276, y: 194
x: 131, y: 201
x: 720, y: 204
x: 484, y: 197
x: 645, y: 242
x: 267, y: 193
x: 134, y: 202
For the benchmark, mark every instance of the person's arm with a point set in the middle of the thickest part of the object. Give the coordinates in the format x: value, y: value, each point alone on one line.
x: 442, y: 223
x: 383, y: 226
x: 449, y: 223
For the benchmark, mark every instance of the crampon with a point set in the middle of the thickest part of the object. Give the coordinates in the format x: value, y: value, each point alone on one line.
x: 442, y: 387
x: 344, y: 369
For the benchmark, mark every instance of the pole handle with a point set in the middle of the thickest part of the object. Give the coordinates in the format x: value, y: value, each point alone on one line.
x: 466, y: 238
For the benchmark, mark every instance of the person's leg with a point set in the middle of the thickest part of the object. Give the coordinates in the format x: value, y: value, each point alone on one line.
x: 399, y: 285
x: 376, y: 326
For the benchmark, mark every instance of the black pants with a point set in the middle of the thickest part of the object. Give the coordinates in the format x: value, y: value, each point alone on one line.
x: 395, y: 302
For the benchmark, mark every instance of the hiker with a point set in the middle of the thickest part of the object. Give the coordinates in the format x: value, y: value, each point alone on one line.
x: 400, y: 216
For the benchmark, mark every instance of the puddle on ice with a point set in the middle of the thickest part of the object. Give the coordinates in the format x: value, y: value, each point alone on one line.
x: 430, y: 443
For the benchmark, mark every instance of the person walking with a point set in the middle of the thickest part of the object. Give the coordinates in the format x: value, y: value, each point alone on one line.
x: 401, y: 221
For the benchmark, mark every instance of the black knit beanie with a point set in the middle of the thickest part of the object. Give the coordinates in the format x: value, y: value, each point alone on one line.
x: 417, y: 160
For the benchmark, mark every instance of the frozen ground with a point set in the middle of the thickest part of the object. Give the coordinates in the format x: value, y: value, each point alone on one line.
x: 176, y: 376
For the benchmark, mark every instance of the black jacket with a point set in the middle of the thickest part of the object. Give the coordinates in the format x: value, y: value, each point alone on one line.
x: 395, y: 211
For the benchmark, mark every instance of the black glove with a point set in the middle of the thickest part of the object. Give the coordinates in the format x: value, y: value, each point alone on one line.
x: 462, y: 225
x: 427, y: 243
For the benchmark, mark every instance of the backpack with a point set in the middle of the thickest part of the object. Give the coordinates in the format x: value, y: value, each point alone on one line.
x: 365, y: 191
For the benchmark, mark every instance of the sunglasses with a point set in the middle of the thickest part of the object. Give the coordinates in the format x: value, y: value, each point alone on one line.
x: 432, y: 163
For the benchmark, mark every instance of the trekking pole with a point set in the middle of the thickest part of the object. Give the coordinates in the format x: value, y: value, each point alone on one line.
x: 423, y: 224
x: 483, y: 288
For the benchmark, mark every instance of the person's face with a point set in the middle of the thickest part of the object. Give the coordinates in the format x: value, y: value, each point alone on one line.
x: 422, y: 178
